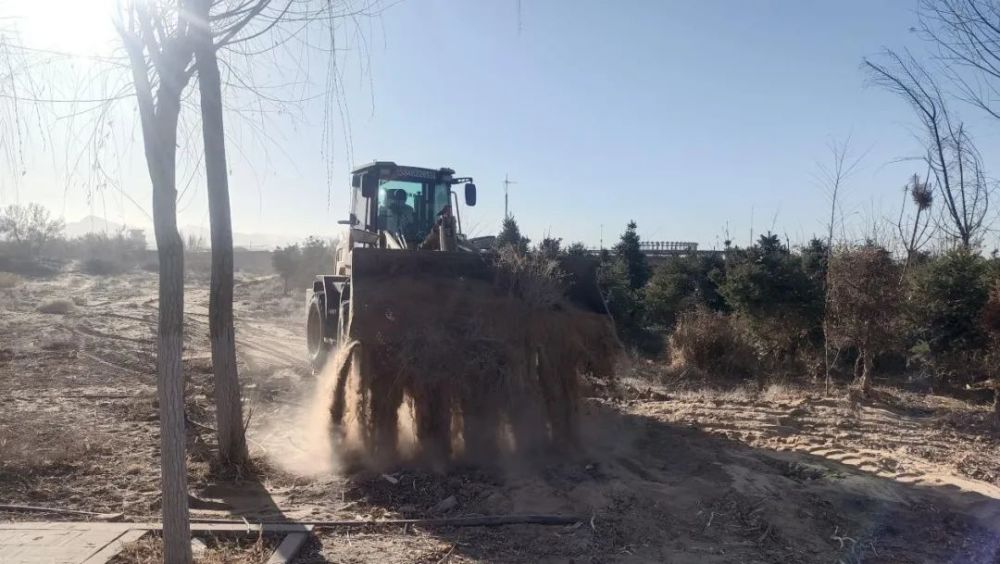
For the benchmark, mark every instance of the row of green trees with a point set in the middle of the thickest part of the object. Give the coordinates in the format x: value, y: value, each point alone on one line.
x: 934, y: 314
x: 852, y: 312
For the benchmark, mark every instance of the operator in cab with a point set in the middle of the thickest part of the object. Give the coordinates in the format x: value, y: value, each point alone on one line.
x: 395, y: 215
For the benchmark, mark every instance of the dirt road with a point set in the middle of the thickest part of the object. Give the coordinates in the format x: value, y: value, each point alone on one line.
x: 776, y: 476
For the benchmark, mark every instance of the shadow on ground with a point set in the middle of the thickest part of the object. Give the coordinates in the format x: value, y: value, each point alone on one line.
x: 647, y: 490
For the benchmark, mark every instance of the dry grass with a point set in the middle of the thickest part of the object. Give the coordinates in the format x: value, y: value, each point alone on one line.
x: 149, y: 550
x: 36, y: 450
x: 9, y: 280
x: 711, y: 345
x: 536, y: 280
x: 58, y: 306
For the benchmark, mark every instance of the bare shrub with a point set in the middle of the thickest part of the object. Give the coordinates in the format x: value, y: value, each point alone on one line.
x: 712, y: 345
x: 101, y: 267
x: 298, y: 264
x: 35, y: 267
x: 103, y: 254
x: 29, y: 229
x: 58, y: 306
x: 865, y: 298
x: 532, y: 277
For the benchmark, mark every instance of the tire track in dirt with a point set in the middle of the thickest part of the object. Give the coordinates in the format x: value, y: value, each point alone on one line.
x: 910, y: 450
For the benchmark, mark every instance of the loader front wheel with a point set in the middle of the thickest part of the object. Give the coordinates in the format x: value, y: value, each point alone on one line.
x: 316, y: 337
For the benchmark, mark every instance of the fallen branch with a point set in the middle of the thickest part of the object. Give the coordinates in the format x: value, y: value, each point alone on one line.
x: 37, y: 509
x: 481, y: 521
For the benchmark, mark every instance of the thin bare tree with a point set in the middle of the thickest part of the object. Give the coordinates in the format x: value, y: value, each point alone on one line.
x: 915, y: 230
x: 243, y: 30
x: 157, y: 39
x: 967, y: 34
x: 951, y: 154
x: 832, y: 177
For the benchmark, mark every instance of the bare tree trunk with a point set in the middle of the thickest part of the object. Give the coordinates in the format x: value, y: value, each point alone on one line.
x: 863, y: 369
x: 159, y: 135
x: 996, y: 402
x: 228, y: 406
x: 170, y: 375
x: 170, y: 380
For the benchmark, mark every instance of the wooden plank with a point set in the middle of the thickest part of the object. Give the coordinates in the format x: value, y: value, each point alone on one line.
x: 266, y: 528
x: 115, y: 546
x: 289, y: 547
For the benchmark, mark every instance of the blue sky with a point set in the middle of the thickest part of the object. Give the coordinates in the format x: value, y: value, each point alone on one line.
x: 684, y: 116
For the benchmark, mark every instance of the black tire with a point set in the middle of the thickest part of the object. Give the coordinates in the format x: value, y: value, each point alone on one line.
x: 316, y: 332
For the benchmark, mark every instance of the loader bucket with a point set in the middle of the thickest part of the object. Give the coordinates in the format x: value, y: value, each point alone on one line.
x: 440, y: 332
x: 393, y: 291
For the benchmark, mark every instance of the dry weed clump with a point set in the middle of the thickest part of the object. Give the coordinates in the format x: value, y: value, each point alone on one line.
x: 534, y: 278
x: 28, y: 450
x: 712, y: 345
x: 212, y: 550
x: 58, y: 306
x: 9, y: 280
x: 865, y: 296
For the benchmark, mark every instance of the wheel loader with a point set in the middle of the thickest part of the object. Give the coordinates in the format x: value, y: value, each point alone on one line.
x: 421, y: 315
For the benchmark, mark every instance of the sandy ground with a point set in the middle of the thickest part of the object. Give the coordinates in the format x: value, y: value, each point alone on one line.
x: 772, y: 476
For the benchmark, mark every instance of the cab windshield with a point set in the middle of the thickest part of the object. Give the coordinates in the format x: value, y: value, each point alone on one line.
x: 409, y: 207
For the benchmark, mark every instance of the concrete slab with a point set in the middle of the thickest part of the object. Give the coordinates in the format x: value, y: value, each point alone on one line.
x: 74, y: 543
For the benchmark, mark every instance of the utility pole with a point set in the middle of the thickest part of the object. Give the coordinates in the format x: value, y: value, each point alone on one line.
x: 506, y: 184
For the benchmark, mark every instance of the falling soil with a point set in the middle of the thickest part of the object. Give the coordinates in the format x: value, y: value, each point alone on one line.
x: 483, y: 373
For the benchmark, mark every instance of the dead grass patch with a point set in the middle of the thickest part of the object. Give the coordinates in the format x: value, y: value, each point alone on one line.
x: 207, y: 550
x: 38, y: 449
x: 57, y: 345
x: 9, y: 280
x: 58, y: 306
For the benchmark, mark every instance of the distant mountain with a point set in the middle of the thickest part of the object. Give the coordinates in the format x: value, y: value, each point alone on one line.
x: 91, y: 224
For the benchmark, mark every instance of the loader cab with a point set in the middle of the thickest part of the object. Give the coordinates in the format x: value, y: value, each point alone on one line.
x: 396, y: 206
